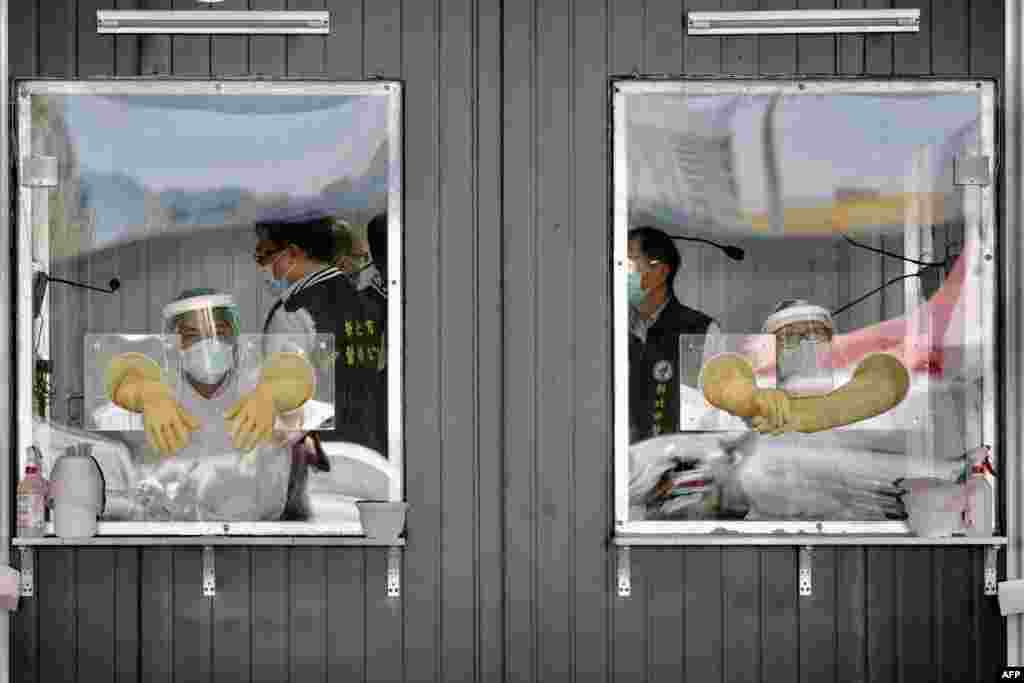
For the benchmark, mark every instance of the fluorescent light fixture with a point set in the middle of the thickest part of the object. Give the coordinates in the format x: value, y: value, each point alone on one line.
x: 212, y: 22
x: 804, y: 21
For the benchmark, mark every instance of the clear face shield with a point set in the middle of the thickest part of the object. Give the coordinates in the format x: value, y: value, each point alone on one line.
x: 803, y: 348
x: 205, y: 332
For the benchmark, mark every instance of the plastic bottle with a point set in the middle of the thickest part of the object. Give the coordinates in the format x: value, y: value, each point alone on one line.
x: 32, y: 502
x: 980, y: 492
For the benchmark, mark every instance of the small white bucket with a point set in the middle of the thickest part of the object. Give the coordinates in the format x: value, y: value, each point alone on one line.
x: 382, y: 519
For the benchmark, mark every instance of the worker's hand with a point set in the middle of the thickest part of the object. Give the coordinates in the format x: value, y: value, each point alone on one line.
x: 251, y: 421
x: 774, y: 412
x: 168, y: 425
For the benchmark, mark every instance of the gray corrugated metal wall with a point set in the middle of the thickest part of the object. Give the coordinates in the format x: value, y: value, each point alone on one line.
x: 508, y: 388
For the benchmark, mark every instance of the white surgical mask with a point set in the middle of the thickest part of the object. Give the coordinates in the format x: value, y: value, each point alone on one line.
x: 209, y: 360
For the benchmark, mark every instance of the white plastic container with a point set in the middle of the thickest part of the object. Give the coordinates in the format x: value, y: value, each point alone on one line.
x: 979, y: 510
x: 78, y: 493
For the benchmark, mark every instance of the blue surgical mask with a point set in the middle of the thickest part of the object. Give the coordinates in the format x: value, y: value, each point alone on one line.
x: 209, y: 360
x: 276, y: 286
x: 636, y: 292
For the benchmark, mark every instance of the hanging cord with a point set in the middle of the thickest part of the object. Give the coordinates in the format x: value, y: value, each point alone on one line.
x: 926, y: 266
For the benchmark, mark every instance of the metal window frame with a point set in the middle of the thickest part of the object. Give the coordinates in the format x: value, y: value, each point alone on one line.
x: 1012, y: 254
x: 635, y: 531
x: 22, y: 367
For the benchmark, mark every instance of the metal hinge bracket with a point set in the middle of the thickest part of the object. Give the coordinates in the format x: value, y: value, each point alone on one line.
x: 971, y: 170
x: 27, y: 570
x: 209, y: 573
x: 804, y: 576
x: 991, y: 582
x: 394, y: 585
x: 623, y: 580
x: 39, y: 171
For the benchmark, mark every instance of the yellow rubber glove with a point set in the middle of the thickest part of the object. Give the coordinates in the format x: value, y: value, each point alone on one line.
x: 878, y: 384
x: 286, y: 382
x: 133, y: 382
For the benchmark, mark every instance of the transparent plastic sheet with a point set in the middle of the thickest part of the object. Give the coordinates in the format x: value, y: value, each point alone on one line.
x: 208, y: 480
x: 715, y: 467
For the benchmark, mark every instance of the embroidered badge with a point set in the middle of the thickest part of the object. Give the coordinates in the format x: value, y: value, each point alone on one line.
x: 663, y: 371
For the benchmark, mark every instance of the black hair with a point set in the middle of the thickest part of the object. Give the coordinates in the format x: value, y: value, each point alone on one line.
x: 377, y: 237
x: 313, y: 235
x: 658, y: 246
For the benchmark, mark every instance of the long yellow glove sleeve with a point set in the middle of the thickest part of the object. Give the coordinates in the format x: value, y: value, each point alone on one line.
x: 878, y: 384
x: 286, y: 382
x: 134, y: 383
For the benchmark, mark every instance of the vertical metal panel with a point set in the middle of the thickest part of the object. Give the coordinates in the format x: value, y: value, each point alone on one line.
x: 1012, y: 211
x: 741, y: 607
x: 269, y: 614
x: 818, y: 612
x: 56, y: 590
x: 663, y: 28
x: 95, y: 614
x: 384, y: 633
x: 22, y: 34
x: 456, y: 263
x: 346, y: 613
x: 307, y: 613
x: 851, y: 615
x: 850, y: 47
x: 343, y: 48
x: 912, y: 52
x: 490, y: 351
x: 629, y: 621
x: 779, y: 649
x: 916, y: 603
x: 155, y: 50
x: 776, y: 54
x: 882, y: 616
x: 878, y: 46
x: 127, y: 47
x: 229, y: 55
x: 156, y: 591
x: 952, y: 647
x: 816, y: 54
x: 739, y: 53
x: 950, y: 26
x: 192, y: 635
x: 57, y: 38
x: 232, y: 615
x: 519, y: 229
x: 126, y: 615
x: 267, y: 54
x: 702, y: 54
x: 420, y: 70
x: 665, y: 627
x: 986, y: 27
x: 591, y: 477
x: 383, y: 55
x: 95, y: 51
x: 705, y: 615
x: 190, y: 55
x: 625, y: 37
x: 306, y: 53
x: 553, y: 295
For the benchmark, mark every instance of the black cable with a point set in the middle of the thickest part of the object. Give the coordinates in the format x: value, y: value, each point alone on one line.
x: 876, y: 290
x: 733, y: 252
x: 899, y: 256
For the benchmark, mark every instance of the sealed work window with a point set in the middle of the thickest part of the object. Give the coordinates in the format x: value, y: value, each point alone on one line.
x: 804, y: 303
x: 209, y: 299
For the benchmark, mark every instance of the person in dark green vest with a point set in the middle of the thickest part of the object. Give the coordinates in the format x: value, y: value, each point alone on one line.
x: 657, y: 323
